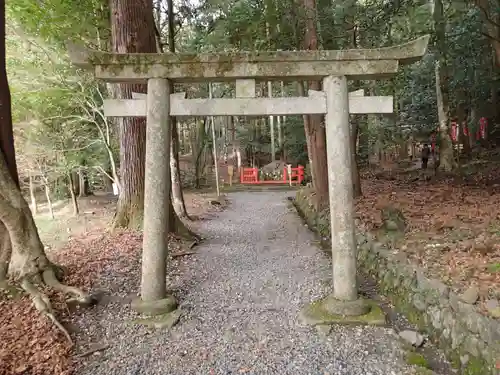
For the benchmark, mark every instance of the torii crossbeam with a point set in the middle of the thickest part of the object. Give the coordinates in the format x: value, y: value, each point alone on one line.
x: 333, y: 67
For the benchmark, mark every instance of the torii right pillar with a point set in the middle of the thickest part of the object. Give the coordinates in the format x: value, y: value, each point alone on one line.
x: 338, y: 146
x: 344, y: 305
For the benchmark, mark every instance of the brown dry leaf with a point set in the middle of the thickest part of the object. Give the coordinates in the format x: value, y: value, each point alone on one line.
x: 29, y: 342
x: 453, y: 228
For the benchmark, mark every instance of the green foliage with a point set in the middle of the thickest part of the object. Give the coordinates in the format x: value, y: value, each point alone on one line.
x: 56, y: 106
x: 57, y: 121
x: 60, y: 21
x: 247, y: 25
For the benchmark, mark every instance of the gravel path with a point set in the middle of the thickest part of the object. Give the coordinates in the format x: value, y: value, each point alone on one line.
x: 241, y: 295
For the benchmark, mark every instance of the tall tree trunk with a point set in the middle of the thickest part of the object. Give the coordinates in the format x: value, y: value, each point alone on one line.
x: 314, y: 129
x: 198, y: 149
x: 474, y: 119
x: 310, y: 149
x: 491, y: 18
x: 446, y: 162
x: 354, y: 120
x: 108, y: 182
x: 83, y: 186
x: 49, y: 200
x: 462, y: 124
x: 132, y: 30
x: 34, y: 205
x: 177, y: 196
x: 282, y: 125
x: 356, y: 180
x: 21, y: 252
x: 7, y: 151
x: 72, y: 191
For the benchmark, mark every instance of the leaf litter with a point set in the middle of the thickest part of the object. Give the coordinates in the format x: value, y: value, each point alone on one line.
x: 453, y: 225
x: 29, y: 342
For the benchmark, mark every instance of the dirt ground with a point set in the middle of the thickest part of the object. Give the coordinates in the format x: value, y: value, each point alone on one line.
x: 453, y: 222
x: 453, y: 231
x: 30, y: 343
x: 96, y: 214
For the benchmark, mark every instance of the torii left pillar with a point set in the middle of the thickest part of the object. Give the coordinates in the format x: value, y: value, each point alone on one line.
x: 153, y: 299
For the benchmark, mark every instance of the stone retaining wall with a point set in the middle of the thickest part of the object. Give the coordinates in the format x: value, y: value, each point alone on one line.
x: 470, y: 339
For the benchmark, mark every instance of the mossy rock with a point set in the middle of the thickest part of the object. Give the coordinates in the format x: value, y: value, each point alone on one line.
x: 316, y: 313
x: 393, y: 219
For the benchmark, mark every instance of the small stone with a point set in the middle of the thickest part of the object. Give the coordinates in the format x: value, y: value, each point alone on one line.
x: 391, y: 225
x: 470, y: 296
x: 412, y: 337
x: 493, y: 308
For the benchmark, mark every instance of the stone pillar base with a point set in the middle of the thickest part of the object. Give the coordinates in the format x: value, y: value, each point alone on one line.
x: 329, y: 311
x: 153, y: 308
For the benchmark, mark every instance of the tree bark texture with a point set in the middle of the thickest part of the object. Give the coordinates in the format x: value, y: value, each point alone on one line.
x: 314, y: 128
x: 491, y: 16
x: 177, y: 195
x: 446, y: 162
x: 310, y: 148
x: 7, y: 150
x: 21, y: 251
x: 72, y: 190
x: 132, y: 30
x: 356, y: 180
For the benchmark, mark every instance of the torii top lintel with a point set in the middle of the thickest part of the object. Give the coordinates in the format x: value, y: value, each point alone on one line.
x: 269, y: 65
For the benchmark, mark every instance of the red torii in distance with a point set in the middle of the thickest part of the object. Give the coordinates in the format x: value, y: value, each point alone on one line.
x: 251, y: 176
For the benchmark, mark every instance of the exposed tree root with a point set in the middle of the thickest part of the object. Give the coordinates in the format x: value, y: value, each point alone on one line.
x: 42, y: 304
x: 183, y: 253
x: 185, y: 233
x: 82, y: 298
x: 22, y: 252
x: 97, y: 348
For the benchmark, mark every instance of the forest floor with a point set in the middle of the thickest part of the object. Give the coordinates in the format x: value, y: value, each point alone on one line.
x: 453, y: 231
x: 453, y: 221
x: 240, y: 296
x: 29, y: 343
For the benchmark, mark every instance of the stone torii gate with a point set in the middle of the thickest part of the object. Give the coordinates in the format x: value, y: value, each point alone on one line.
x: 332, y: 67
